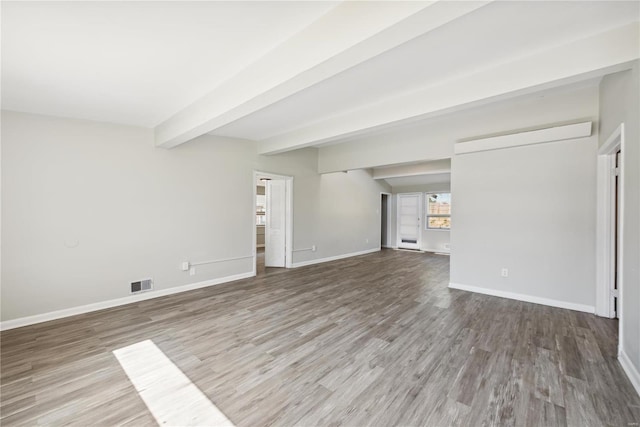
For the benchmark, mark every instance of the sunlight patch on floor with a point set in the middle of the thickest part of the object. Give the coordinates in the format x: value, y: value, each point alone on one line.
x: 171, y: 397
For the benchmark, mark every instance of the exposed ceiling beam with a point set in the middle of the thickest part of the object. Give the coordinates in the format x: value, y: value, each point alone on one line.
x: 309, y: 58
x: 414, y: 169
x: 587, y: 58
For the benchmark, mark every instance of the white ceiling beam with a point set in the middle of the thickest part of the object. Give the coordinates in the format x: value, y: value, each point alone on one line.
x: 414, y: 169
x: 313, y: 55
x: 540, y: 136
x: 600, y: 54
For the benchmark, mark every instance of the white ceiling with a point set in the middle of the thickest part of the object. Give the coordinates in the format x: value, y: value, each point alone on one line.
x: 134, y: 62
x: 297, y: 73
x: 473, y: 41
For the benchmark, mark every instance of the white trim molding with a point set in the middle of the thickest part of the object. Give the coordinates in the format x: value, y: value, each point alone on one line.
x: 413, y: 251
x: 215, y: 261
x: 311, y: 249
x: 630, y: 370
x: 525, y: 298
x: 334, y: 258
x: 552, y: 134
x: 82, y: 309
x: 438, y: 251
x: 605, y: 224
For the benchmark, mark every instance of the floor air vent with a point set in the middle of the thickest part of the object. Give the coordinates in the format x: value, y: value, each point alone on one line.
x: 141, y: 286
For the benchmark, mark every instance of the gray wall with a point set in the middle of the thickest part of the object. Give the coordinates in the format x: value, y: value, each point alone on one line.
x: 88, y: 207
x: 619, y: 102
x: 340, y: 213
x: 530, y: 209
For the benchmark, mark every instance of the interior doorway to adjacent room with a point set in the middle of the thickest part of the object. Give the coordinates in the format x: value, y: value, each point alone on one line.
x: 385, y: 220
x: 273, y: 220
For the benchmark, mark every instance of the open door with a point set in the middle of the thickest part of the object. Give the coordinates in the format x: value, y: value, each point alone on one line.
x: 615, y: 293
x: 275, y: 230
x: 409, y: 220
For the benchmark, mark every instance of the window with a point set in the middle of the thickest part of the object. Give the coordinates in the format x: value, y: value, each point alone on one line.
x: 438, y: 211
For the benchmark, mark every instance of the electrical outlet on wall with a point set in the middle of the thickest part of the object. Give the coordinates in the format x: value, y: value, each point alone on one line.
x: 192, y: 271
x: 366, y: 240
x: 504, y: 272
x: 313, y: 248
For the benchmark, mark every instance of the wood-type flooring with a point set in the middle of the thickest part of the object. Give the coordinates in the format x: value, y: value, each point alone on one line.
x: 374, y: 340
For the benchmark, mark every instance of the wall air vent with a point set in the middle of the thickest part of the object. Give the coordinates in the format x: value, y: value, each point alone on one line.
x: 141, y: 286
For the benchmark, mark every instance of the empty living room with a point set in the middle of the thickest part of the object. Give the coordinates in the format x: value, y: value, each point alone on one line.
x: 320, y: 213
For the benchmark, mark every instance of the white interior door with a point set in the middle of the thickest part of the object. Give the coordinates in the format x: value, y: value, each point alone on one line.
x: 409, y: 220
x: 615, y: 300
x: 274, y: 233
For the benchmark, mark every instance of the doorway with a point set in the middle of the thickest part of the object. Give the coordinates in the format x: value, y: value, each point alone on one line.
x: 272, y: 225
x: 385, y: 220
x: 615, y: 294
x: 409, y: 220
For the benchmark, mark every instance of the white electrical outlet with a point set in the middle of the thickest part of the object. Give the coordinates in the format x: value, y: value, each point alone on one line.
x: 185, y: 266
x: 366, y: 240
x: 192, y: 271
x: 504, y: 272
x: 313, y: 248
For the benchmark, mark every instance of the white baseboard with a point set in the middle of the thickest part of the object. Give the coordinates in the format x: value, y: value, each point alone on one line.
x: 333, y: 258
x: 525, y: 298
x: 67, y: 312
x: 436, y: 251
x: 630, y: 370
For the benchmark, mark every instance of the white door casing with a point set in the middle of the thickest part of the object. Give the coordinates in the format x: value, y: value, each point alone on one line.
x: 275, y: 230
x: 606, y: 229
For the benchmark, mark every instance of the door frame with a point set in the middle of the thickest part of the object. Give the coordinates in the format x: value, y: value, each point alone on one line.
x: 288, y: 216
x: 389, y: 211
x: 606, y: 226
x: 420, y: 218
